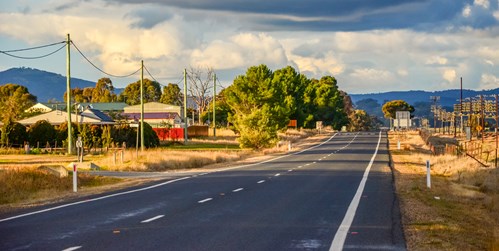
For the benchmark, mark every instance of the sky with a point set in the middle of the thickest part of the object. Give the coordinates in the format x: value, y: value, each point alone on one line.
x: 368, y: 46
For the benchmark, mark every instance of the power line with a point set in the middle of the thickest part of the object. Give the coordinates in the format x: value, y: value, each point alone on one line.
x: 34, y: 48
x: 109, y: 74
x: 35, y: 57
x: 152, y: 76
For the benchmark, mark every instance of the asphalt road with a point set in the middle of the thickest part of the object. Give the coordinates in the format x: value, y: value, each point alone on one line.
x: 337, y: 195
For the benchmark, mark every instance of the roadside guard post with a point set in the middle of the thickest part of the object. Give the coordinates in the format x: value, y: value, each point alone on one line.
x: 79, y: 149
x: 75, y: 178
x: 428, y: 175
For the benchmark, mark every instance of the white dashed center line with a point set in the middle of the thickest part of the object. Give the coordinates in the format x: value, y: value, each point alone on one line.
x: 72, y: 248
x: 152, y: 219
x: 277, y: 174
x: 205, y: 200
x: 261, y: 181
x: 237, y: 190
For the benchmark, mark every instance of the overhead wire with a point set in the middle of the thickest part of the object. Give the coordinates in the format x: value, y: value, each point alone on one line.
x: 34, y: 48
x: 99, y: 69
x: 152, y: 76
x: 35, y: 57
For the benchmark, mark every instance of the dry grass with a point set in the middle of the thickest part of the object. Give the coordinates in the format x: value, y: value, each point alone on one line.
x: 165, y: 160
x: 459, y: 212
x: 28, y: 184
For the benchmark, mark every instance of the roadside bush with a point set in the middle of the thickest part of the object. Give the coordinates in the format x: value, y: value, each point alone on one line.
x: 14, y: 133
x: 42, y: 131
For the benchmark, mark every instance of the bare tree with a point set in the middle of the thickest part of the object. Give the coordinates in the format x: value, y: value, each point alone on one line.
x: 200, y: 86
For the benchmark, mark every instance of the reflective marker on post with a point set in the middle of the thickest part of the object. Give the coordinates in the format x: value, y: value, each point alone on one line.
x: 75, y: 180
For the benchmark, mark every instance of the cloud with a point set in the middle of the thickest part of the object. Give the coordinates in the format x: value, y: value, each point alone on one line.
x: 327, y: 64
x: 240, y: 51
x: 467, y: 11
x: 489, y: 81
x: 321, y: 15
x: 369, y: 47
x: 437, y: 60
x: 148, y: 17
x: 449, y: 75
x: 482, y: 3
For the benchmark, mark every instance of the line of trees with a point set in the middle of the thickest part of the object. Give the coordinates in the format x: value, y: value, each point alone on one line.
x: 44, y: 135
x: 257, y: 105
x: 261, y: 103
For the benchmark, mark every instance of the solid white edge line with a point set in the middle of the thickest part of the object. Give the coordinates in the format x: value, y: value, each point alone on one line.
x: 341, y: 234
x: 152, y: 219
x: 205, y: 200
x: 94, y: 199
x: 237, y: 190
x: 72, y: 248
x: 158, y: 185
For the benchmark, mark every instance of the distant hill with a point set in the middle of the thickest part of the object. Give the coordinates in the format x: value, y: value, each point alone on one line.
x: 372, y: 103
x: 44, y: 85
x: 447, y: 98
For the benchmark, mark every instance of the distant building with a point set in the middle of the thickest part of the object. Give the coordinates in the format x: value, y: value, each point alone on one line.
x: 108, y: 107
x: 57, y: 117
x: 46, y: 107
x: 155, y: 114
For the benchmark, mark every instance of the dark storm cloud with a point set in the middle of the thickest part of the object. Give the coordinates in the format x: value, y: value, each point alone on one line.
x: 149, y: 17
x: 324, y: 15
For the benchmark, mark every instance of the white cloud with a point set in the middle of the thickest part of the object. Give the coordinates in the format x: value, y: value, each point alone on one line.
x: 372, y: 75
x: 489, y: 81
x: 403, y: 72
x: 466, y: 11
x: 362, y: 61
x: 449, y: 75
x: 241, y: 50
x: 437, y: 60
x: 496, y: 15
x: 318, y: 67
x: 483, y: 3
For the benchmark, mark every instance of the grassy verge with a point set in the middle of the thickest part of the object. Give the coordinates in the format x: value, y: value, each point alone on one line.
x: 459, y: 212
x: 29, y: 184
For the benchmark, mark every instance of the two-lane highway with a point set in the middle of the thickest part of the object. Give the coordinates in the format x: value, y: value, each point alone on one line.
x: 335, y: 195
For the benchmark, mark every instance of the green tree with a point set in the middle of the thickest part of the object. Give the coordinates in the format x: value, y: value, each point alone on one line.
x: 106, y: 140
x: 62, y: 133
x: 257, y: 107
x: 293, y: 87
x: 41, y: 132
x: 222, y: 111
x: 14, y: 133
x: 86, y: 136
x: 14, y: 100
x: 131, y: 94
x: 171, y: 95
x: 360, y: 121
x: 328, y: 103
x: 103, y: 91
x: 151, y: 139
x: 390, y: 108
